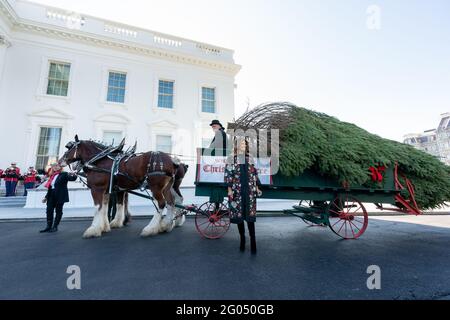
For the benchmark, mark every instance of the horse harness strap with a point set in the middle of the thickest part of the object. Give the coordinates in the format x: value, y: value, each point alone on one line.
x: 155, y: 161
x: 155, y: 167
x: 114, y: 170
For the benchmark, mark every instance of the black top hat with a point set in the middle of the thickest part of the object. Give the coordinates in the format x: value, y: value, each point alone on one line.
x: 214, y: 122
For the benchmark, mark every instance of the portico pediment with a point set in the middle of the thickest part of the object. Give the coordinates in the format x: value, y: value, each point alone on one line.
x: 50, y: 113
x: 164, y: 124
x: 112, y: 118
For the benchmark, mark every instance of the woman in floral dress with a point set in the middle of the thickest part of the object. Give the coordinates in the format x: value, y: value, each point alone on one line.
x: 243, y: 183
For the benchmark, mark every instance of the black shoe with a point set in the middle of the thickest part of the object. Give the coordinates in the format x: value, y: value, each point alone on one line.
x: 46, y: 230
x: 54, y: 229
x: 242, y: 246
x: 253, y: 248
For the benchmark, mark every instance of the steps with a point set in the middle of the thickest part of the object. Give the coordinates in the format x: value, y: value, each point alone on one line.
x: 12, y: 202
x: 19, y: 189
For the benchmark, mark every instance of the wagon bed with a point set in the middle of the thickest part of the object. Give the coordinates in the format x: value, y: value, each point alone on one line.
x: 323, y: 201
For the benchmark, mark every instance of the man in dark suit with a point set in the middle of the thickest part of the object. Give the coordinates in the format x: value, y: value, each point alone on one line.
x: 220, y: 136
x: 57, y: 196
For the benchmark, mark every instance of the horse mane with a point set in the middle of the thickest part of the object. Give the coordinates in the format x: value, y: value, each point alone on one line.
x: 99, y: 144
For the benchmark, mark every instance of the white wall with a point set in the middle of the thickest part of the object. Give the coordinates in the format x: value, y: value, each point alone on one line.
x: 37, y: 33
x: 25, y: 107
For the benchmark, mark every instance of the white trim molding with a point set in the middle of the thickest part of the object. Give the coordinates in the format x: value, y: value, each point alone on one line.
x: 165, y: 77
x: 105, y: 81
x: 162, y: 127
x: 4, y: 42
x: 217, y: 107
x: 40, y: 19
x: 111, y: 122
x: 41, y: 92
x: 52, y: 118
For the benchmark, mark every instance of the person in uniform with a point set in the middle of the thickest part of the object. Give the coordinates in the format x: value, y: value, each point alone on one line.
x: 57, y: 196
x: 12, y: 175
x: 29, y: 180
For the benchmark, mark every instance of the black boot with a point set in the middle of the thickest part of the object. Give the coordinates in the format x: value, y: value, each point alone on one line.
x: 49, y: 213
x: 251, y: 229
x: 58, y: 218
x: 49, y: 227
x: 253, y: 245
x: 241, y: 228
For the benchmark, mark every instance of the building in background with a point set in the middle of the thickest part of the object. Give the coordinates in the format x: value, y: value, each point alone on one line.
x: 435, y: 142
x: 64, y: 73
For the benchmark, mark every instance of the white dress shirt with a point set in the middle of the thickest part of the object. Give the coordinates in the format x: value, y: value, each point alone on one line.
x: 54, y: 180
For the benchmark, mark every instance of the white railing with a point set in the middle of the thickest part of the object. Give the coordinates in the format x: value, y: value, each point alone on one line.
x: 167, y: 41
x: 71, y: 19
x: 208, y: 49
x: 120, y: 31
x: 29, y: 11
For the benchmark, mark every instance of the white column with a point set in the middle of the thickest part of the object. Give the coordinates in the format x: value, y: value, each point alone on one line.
x: 4, y: 44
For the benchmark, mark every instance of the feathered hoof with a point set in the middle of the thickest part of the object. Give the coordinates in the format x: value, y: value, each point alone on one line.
x: 150, y: 231
x: 180, y: 222
x: 115, y: 225
x: 92, y: 232
x: 166, y: 226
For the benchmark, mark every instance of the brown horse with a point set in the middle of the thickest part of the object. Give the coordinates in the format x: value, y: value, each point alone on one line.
x: 152, y: 170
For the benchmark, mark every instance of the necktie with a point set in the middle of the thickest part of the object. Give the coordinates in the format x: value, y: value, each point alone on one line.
x: 48, y: 185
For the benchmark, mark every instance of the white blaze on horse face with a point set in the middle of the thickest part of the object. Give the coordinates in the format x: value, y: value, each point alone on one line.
x: 152, y: 229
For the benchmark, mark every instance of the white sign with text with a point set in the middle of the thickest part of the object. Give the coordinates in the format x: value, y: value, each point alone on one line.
x: 211, y: 169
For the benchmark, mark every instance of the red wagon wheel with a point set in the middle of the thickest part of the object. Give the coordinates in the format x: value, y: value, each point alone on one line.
x: 212, y: 220
x: 348, y: 217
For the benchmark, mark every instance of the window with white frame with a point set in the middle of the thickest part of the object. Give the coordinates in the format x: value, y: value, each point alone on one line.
x: 164, y: 143
x: 116, y: 87
x: 165, y: 94
x: 208, y: 100
x: 112, y: 137
x: 58, y: 79
x: 48, y: 147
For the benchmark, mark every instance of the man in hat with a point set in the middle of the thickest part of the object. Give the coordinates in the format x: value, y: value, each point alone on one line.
x: 220, y: 136
x: 12, y: 175
x: 57, y: 196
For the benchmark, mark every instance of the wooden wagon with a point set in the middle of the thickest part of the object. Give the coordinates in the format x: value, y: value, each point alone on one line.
x: 323, y: 201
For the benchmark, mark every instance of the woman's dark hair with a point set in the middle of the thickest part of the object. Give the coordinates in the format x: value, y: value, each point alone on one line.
x: 236, y: 144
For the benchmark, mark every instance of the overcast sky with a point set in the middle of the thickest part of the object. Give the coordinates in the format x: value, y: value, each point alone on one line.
x: 391, y: 79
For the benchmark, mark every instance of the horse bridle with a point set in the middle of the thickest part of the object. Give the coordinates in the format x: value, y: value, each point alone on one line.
x: 70, y: 146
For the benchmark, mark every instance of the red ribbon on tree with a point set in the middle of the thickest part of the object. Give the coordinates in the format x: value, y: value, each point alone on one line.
x: 377, y: 173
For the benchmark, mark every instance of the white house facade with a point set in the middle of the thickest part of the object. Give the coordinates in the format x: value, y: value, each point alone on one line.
x: 64, y: 73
